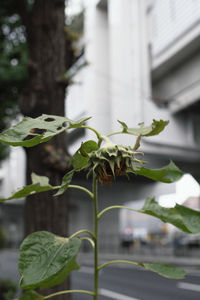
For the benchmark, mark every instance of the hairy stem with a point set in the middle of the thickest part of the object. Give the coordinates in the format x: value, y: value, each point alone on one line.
x: 69, y: 292
x: 96, y: 237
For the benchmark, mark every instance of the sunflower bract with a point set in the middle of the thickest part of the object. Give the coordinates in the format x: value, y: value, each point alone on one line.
x: 113, y: 160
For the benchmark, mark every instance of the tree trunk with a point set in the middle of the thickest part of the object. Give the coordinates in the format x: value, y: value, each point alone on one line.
x: 45, y: 93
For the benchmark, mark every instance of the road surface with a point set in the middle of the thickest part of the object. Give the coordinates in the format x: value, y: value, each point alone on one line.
x: 120, y: 282
x: 125, y: 283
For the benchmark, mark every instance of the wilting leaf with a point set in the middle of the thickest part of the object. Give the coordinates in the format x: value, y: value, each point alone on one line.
x: 80, y: 158
x: 31, y: 295
x: 167, y: 174
x: 182, y: 217
x: 155, y: 128
x: 32, y: 131
x: 165, y: 270
x: 45, y: 259
x: 40, y: 184
x: 65, y: 183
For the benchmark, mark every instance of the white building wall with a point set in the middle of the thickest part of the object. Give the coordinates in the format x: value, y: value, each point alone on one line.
x: 94, y: 79
x: 116, y: 84
x: 13, y: 173
x: 170, y: 20
x: 128, y: 81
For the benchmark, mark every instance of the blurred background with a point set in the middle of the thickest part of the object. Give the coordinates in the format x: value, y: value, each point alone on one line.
x: 135, y: 60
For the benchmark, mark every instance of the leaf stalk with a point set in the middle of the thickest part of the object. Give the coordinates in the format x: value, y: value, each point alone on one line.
x: 117, y: 262
x: 78, y: 187
x: 114, y: 207
x: 83, y: 231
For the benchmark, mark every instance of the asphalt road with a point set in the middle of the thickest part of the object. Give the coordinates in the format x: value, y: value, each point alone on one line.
x: 120, y: 282
x: 125, y: 283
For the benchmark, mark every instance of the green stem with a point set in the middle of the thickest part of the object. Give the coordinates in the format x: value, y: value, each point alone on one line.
x: 96, y: 237
x: 78, y: 187
x: 113, y: 133
x: 89, y: 240
x: 113, y: 207
x: 83, y: 231
x: 95, y: 131
x: 116, y: 262
x: 68, y: 292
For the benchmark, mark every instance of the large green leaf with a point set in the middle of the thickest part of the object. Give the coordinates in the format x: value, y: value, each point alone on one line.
x: 31, y: 295
x: 32, y: 131
x: 165, y: 270
x: 65, y: 183
x: 155, y: 128
x: 40, y: 184
x: 46, y: 259
x: 182, y: 217
x: 80, y: 158
x: 167, y: 174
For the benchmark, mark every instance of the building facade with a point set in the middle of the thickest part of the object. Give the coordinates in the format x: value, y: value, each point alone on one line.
x: 143, y: 64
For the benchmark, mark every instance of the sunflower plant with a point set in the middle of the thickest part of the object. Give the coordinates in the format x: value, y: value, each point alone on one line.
x: 45, y: 259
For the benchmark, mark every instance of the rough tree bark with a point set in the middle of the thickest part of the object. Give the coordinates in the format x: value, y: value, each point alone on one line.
x: 45, y: 93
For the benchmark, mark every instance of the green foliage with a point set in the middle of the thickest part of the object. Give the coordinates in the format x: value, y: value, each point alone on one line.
x: 81, y: 157
x: 13, y: 65
x: 31, y: 295
x: 40, y: 184
x: 33, y: 131
x: 165, y: 270
x: 7, y: 289
x: 155, y: 128
x: 184, y: 218
x: 167, y: 174
x: 65, y: 183
x: 46, y: 259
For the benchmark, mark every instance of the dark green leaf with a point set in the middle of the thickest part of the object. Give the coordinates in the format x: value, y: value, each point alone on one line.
x: 167, y: 174
x: 165, y: 270
x: 30, y: 132
x: 155, y: 128
x: 89, y: 146
x: 45, y: 259
x: 79, y: 161
x: 80, y: 158
x: 40, y: 184
x: 182, y: 217
x: 65, y: 183
x: 31, y: 295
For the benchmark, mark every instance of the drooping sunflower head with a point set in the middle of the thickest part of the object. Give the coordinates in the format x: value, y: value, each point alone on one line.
x: 113, y: 160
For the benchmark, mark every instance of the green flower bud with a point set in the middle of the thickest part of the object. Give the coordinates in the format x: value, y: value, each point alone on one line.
x: 113, y: 160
